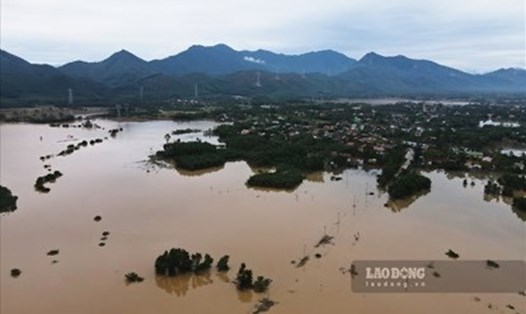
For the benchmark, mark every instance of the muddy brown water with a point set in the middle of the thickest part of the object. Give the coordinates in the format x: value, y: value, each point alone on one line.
x: 149, y: 209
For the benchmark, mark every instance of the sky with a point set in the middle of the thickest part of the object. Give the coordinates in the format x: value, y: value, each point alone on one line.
x: 476, y: 36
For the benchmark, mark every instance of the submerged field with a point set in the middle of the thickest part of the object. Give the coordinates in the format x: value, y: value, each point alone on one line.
x: 149, y: 208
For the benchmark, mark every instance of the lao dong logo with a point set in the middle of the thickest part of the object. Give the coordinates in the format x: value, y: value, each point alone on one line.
x: 395, y: 273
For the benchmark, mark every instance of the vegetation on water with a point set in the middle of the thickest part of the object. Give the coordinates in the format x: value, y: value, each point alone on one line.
x: 244, y: 280
x: 261, y: 284
x: 48, y: 178
x: 53, y: 252
x: 222, y: 264
x: 492, y: 264
x: 15, y: 272
x: 7, y: 200
x: 132, y: 277
x: 178, y: 262
x: 292, y: 159
x: 193, y: 155
x: 452, y: 254
x: 408, y: 184
x: 281, y: 179
x: 113, y: 132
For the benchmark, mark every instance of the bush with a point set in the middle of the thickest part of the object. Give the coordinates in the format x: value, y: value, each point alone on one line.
x: 222, y: 264
x: 7, y: 200
x: 261, y: 284
x: 244, y: 278
x: 132, y: 277
x: 15, y: 272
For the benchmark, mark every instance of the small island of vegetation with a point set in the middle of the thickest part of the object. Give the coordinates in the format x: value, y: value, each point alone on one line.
x: 178, y: 262
x: 49, y: 178
x: 244, y: 280
x: 280, y: 179
x: 407, y: 185
x: 7, y: 200
x: 133, y: 277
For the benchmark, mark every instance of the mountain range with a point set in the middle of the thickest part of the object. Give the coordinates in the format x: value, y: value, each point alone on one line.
x: 219, y: 71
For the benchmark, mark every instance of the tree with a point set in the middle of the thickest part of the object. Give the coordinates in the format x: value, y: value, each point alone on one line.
x: 222, y: 264
x: 244, y: 278
x: 7, y: 200
x: 261, y: 284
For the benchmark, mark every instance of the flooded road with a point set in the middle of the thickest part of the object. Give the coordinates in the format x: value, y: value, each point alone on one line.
x: 148, y: 209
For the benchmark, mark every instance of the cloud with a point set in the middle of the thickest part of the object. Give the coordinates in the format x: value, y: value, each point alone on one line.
x: 254, y: 60
x: 470, y: 34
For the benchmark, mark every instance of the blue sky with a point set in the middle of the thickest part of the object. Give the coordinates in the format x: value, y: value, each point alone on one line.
x: 472, y: 35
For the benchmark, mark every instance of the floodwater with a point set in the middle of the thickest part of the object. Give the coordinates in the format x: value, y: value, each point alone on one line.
x: 148, y: 209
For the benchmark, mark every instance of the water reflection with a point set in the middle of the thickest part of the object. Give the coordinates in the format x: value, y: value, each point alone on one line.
x: 223, y: 276
x: 245, y: 296
x: 398, y: 205
x: 271, y: 190
x: 180, y: 285
x: 197, y: 173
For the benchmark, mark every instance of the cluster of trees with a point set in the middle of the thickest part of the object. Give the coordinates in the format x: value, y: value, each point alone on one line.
x: 50, y: 177
x: 193, y: 155
x: 408, y: 184
x: 7, y: 200
x: 508, y: 184
x: 513, y: 182
x: 281, y: 179
x: 244, y: 280
x: 178, y: 261
x: 113, y: 132
x: 304, y: 152
x: 70, y: 149
x: 492, y: 188
x: 392, y: 163
x: 132, y: 277
x: 185, y: 131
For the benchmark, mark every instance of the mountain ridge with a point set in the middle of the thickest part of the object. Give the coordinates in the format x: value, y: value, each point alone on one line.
x: 221, y: 71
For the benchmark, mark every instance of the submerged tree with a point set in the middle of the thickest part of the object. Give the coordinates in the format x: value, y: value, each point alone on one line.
x: 7, y: 200
x: 132, y: 277
x: 261, y: 284
x: 244, y: 278
x: 222, y: 264
x: 178, y: 261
